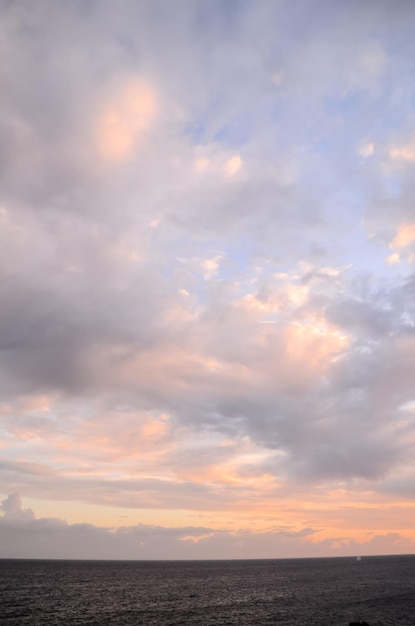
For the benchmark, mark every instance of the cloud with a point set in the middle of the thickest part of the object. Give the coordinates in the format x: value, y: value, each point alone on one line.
x: 53, y: 538
x: 197, y: 316
x: 404, y: 153
x: 404, y: 237
x: 211, y: 266
x: 393, y: 258
x: 124, y: 119
x: 233, y: 165
x: 13, y: 510
x: 366, y: 150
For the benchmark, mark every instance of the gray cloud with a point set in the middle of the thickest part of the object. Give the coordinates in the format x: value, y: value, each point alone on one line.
x: 13, y: 510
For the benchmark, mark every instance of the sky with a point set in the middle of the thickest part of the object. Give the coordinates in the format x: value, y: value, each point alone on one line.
x: 207, y: 278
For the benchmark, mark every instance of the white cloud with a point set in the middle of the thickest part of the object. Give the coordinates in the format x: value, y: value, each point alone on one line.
x: 393, y: 258
x: 210, y: 267
x: 366, y: 149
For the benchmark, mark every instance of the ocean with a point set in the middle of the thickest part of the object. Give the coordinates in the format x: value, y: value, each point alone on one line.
x: 294, y: 592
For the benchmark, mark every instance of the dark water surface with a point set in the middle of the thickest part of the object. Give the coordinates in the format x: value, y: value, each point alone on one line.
x: 380, y: 590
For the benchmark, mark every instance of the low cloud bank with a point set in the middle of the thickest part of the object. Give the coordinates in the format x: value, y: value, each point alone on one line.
x: 24, y: 536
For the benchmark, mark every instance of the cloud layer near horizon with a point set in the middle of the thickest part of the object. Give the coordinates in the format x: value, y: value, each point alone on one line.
x: 207, y: 248
x: 24, y: 536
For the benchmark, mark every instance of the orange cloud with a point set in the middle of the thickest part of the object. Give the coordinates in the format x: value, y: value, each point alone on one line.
x: 121, y: 435
x: 404, y: 236
x: 218, y: 162
x: 393, y: 258
x: 154, y: 429
x: 202, y: 164
x: 233, y: 165
x: 123, y: 120
x: 404, y: 153
x: 315, y: 342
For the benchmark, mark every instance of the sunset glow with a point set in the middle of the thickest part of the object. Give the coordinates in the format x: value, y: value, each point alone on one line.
x: 207, y: 304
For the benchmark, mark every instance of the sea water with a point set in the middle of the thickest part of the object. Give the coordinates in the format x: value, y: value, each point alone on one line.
x: 379, y: 590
